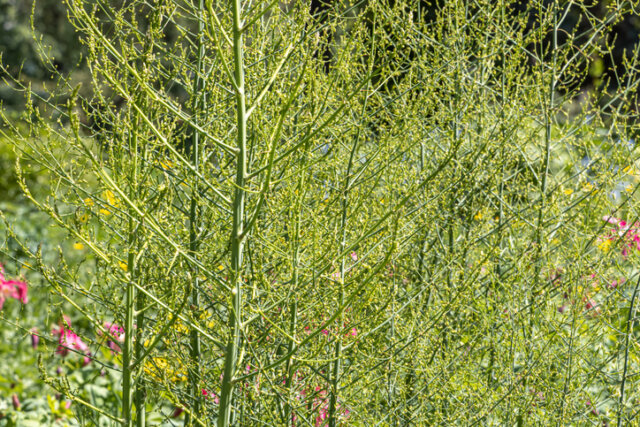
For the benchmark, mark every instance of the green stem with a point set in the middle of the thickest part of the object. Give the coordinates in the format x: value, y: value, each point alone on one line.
x: 237, y: 233
x: 293, y: 306
x: 127, y: 374
x: 337, y: 364
x: 140, y: 396
x: 195, y: 352
x: 630, y: 318
x: 529, y: 290
x: 130, y: 300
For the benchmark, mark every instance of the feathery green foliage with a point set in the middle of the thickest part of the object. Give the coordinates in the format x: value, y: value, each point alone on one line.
x: 356, y: 217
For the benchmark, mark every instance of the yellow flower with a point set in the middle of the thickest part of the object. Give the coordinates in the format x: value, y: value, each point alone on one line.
x: 78, y: 246
x: 221, y: 267
x: 111, y: 198
x: 88, y: 201
x: 568, y: 191
x: 629, y: 188
x: 166, y: 165
x: 105, y: 212
x: 605, y: 245
x: 158, y: 367
x: 123, y: 265
x: 478, y: 216
x: 181, y: 328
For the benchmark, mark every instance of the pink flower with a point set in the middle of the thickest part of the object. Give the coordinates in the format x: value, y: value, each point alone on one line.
x: 354, y: 256
x: 592, y: 307
x: 115, y: 331
x: 628, y: 233
x: 325, y: 332
x: 610, y: 219
x: 207, y: 394
x: 68, y: 340
x: 614, y: 284
x: 12, y: 289
x: 321, y: 405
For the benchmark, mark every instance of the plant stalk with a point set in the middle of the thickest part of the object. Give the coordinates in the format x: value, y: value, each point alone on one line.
x: 237, y: 233
x: 130, y: 300
x: 194, y: 223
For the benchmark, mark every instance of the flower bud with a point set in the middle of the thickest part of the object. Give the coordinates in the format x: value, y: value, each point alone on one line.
x: 15, y: 402
x: 35, y: 338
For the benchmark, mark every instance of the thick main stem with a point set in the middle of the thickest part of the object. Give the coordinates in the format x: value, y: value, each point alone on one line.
x: 127, y: 372
x: 140, y: 394
x: 130, y: 299
x: 194, y: 220
x: 237, y: 233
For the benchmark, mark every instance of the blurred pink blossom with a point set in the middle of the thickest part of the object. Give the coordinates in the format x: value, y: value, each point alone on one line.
x: 12, y: 289
x: 628, y: 233
x: 208, y: 394
x: 68, y: 341
x: 615, y: 283
x: 15, y: 402
x: 115, y: 331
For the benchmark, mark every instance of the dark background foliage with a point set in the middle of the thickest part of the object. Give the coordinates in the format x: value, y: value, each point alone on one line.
x: 19, y: 47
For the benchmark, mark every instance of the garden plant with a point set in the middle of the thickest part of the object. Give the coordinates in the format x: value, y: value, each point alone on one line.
x: 308, y: 213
